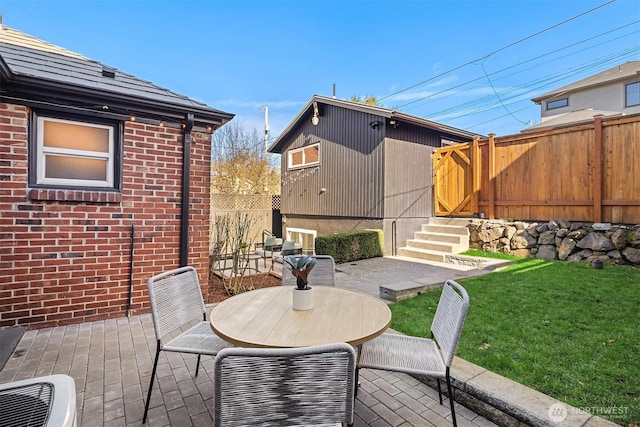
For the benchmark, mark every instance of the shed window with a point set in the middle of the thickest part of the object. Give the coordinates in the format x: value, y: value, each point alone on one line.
x: 74, y: 153
x: 305, y: 156
x: 632, y: 95
x: 558, y: 103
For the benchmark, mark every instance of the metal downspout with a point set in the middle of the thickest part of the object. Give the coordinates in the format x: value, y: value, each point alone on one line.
x: 186, y: 191
x: 131, y: 250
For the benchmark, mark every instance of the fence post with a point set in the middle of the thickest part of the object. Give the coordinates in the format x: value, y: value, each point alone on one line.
x: 476, y: 176
x: 492, y: 176
x: 597, y: 168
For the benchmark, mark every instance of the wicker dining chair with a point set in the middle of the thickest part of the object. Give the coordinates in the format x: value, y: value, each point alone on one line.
x: 323, y: 273
x: 302, y: 386
x: 422, y: 356
x: 179, y: 319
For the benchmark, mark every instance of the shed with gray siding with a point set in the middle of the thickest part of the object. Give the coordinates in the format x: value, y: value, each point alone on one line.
x: 373, y: 168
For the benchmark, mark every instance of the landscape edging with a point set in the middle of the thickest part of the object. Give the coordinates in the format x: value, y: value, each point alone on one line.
x: 508, y: 403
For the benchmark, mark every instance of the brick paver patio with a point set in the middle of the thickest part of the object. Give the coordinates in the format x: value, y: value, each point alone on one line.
x: 111, y: 362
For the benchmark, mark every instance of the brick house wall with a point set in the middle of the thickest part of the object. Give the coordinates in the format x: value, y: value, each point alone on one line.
x: 65, y: 255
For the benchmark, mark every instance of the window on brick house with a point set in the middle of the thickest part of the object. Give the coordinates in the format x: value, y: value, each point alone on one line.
x: 305, y: 156
x: 632, y: 95
x: 74, y: 153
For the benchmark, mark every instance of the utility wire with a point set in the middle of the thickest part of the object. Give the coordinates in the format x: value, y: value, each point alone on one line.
x: 547, y: 81
x: 435, y: 94
x: 498, y: 50
x: 532, y: 85
x: 476, y: 105
x: 547, y: 29
x: 496, y: 93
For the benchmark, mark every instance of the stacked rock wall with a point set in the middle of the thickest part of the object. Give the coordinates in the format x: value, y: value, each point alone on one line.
x: 559, y: 240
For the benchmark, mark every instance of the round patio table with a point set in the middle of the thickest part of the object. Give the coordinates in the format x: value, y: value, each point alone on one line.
x: 265, y: 318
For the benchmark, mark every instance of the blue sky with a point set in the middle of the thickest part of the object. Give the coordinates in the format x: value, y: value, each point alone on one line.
x: 471, y: 64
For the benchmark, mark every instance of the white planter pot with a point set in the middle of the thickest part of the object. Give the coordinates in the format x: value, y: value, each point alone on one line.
x: 302, y: 299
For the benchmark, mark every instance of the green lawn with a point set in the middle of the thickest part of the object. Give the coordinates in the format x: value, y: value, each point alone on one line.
x: 564, y: 329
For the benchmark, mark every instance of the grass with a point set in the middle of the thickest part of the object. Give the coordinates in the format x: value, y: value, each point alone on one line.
x: 564, y: 329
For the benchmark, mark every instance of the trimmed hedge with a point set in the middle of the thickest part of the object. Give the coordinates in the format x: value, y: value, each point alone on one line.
x: 350, y: 246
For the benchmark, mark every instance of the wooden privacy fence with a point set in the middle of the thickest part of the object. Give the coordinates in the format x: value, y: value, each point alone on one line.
x: 585, y: 172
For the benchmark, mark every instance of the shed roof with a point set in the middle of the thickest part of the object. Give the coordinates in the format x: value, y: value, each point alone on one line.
x: 619, y: 72
x: 276, y: 147
x: 33, y: 67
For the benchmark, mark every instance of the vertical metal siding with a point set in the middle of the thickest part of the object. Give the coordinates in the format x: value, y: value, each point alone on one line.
x: 351, y: 167
x: 409, y: 171
x: 365, y: 175
x: 408, y: 180
x: 413, y: 133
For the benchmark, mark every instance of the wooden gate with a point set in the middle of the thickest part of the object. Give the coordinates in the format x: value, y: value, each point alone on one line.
x: 452, y: 181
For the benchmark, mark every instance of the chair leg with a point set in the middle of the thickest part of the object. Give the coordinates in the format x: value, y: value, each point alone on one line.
x: 153, y: 375
x: 355, y: 388
x: 198, y: 365
x: 439, y: 390
x: 451, y: 400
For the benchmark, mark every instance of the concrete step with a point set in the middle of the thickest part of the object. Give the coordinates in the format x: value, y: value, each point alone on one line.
x: 422, y: 254
x: 445, y: 229
x: 440, y: 237
x: 437, y: 239
x: 458, y: 222
x: 429, y: 245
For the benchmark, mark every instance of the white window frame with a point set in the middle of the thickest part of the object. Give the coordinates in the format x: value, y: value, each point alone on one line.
x: 551, y: 103
x: 626, y: 94
x: 43, y: 151
x: 304, y: 163
x: 313, y: 233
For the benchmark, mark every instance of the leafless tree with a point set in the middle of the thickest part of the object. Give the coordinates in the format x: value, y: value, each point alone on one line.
x: 240, y: 164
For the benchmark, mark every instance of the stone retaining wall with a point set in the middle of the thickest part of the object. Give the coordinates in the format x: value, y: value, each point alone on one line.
x: 559, y: 240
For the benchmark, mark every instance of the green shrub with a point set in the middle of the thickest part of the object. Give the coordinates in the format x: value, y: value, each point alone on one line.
x: 350, y: 246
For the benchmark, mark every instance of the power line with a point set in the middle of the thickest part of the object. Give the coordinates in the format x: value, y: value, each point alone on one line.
x: 496, y: 93
x: 498, y: 50
x: 516, y: 95
x: 547, y: 29
x: 552, y: 79
x: 525, y: 62
x: 534, y: 85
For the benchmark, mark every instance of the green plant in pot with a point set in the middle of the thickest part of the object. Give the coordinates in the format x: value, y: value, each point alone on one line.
x: 300, y: 268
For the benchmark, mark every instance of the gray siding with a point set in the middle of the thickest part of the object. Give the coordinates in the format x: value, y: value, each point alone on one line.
x: 408, y: 180
x: 367, y: 173
x: 351, y: 167
x: 420, y: 135
x: 409, y: 171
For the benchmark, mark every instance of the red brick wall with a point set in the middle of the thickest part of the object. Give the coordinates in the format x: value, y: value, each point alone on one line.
x: 65, y: 255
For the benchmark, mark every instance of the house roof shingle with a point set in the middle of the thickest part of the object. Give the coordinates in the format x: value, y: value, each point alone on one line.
x: 27, y: 60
